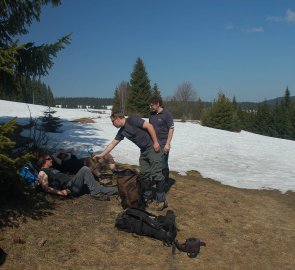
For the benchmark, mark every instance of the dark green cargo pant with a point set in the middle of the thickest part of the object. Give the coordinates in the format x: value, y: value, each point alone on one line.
x: 151, y: 166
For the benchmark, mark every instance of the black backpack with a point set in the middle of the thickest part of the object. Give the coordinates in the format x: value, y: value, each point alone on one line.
x: 163, y: 228
x: 141, y: 222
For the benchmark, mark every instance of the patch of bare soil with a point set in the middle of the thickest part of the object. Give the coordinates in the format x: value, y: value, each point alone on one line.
x: 243, y: 229
x: 83, y: 120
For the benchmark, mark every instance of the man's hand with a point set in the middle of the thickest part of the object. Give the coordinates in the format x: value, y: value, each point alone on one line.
x: 156, y: 147
x: 64, y: 192
x: 166, y: 148
x: 98, y: 157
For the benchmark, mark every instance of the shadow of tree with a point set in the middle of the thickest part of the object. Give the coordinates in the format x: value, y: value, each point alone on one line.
x: 29, y: 204
x: 73, y: 133
x: 2, y: 256
x: 36, y: 205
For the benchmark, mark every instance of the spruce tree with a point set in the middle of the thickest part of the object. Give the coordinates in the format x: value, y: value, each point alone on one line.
x: 23, y: 60
x: 221, y: 115
x: 139, y: 92
x: 156, y: 91
x: 283, y: 118
x: 264, y: 121
x: 18, y: 62
x: 9, y: 164
x: 116, y: 101
x: 50, y: 123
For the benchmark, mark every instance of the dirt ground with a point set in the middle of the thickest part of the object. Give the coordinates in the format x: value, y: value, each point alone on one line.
x: 243, y: 229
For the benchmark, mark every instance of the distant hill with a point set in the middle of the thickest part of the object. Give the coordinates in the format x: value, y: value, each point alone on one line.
x: 274, y: 101
x: 99, y: 103
x: 253, y: 105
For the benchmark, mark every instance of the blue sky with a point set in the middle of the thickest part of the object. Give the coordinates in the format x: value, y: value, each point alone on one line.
x: 244, y: 48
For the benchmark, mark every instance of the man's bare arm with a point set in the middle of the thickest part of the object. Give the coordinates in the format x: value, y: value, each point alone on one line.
x: 107, y: 150
x: 43, y: 179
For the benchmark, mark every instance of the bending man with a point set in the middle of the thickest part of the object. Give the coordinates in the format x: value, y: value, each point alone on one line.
x: 143, y: 135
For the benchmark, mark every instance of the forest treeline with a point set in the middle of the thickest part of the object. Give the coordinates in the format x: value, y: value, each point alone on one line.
x: 269, y: 118
x: 30, y: 91
x: 274, y: 117
x: 83, y: 102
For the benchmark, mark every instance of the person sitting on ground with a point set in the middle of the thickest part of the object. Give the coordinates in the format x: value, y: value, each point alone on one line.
x: 106, y: 163
x: 66, y: 161
x: 102, y: 169
x: 55, y: 182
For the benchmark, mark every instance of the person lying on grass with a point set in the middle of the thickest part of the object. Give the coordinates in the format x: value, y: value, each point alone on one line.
x: 55, y: 182
x: 66, y: 161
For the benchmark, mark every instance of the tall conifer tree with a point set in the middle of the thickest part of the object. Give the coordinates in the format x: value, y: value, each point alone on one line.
x: 156, y: 91
x: 116, y: 101
x: 221, y: 115
x: 23, y: 60
x: 139, y: 91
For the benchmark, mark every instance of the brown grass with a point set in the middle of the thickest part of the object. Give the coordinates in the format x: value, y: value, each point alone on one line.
x: 83, y: 120
x: 243, y: 229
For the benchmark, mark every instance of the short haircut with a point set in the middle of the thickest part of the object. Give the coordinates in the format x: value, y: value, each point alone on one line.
x: 117, y: 115
x: 156, y: 99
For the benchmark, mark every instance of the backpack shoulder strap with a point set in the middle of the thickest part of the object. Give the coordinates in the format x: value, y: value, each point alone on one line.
x: 144, y: 216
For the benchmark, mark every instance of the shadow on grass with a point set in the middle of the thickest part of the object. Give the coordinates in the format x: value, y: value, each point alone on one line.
x: 2, y: 256
x: 29, y: 204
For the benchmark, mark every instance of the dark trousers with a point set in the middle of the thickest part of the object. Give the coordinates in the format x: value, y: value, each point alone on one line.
x: 151, y: 166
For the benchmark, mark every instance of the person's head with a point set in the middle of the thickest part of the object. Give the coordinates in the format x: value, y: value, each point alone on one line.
x: 156, y: 103
x: 63, y: 154
x: 45, y: 161
x: 118, y: 119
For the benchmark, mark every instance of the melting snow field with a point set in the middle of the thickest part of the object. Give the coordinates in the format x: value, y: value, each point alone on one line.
x: 244, y: 159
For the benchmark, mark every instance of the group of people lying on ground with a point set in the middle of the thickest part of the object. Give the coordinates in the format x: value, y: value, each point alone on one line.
x: 63, y: 173
x: 153, y: 139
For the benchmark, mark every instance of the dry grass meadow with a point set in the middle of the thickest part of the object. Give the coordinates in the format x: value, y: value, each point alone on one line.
x: 243, y: 229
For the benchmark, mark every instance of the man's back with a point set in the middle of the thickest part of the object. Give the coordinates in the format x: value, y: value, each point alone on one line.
x: 134, y: 131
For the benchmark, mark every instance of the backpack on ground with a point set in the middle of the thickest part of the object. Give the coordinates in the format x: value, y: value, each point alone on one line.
x: 141, y: 222
x: 160, y: 227
x: 105, y: 178
x: 129, y: 188
x: 30, y: 174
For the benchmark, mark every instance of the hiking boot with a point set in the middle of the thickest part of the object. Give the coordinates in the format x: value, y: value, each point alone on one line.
x: 159, y: 206
x: 148, y: 197
x: 101, y: 197
x: 106, y: 182
x: 162, y: 205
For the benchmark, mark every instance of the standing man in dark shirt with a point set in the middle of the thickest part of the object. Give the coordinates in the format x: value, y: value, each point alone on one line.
x: 162, y: 121
x: 143, y: 135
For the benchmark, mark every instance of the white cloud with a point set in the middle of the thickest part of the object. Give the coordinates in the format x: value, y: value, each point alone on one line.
x: 255, y: 29
x: 289, y: 17
x: 229, y: 27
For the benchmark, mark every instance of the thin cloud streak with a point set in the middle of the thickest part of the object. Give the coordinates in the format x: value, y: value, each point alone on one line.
x: 289, y: 17
x: 255, y: 29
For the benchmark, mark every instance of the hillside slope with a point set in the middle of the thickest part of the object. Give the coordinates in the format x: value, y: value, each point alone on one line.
x: 243, y: 229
